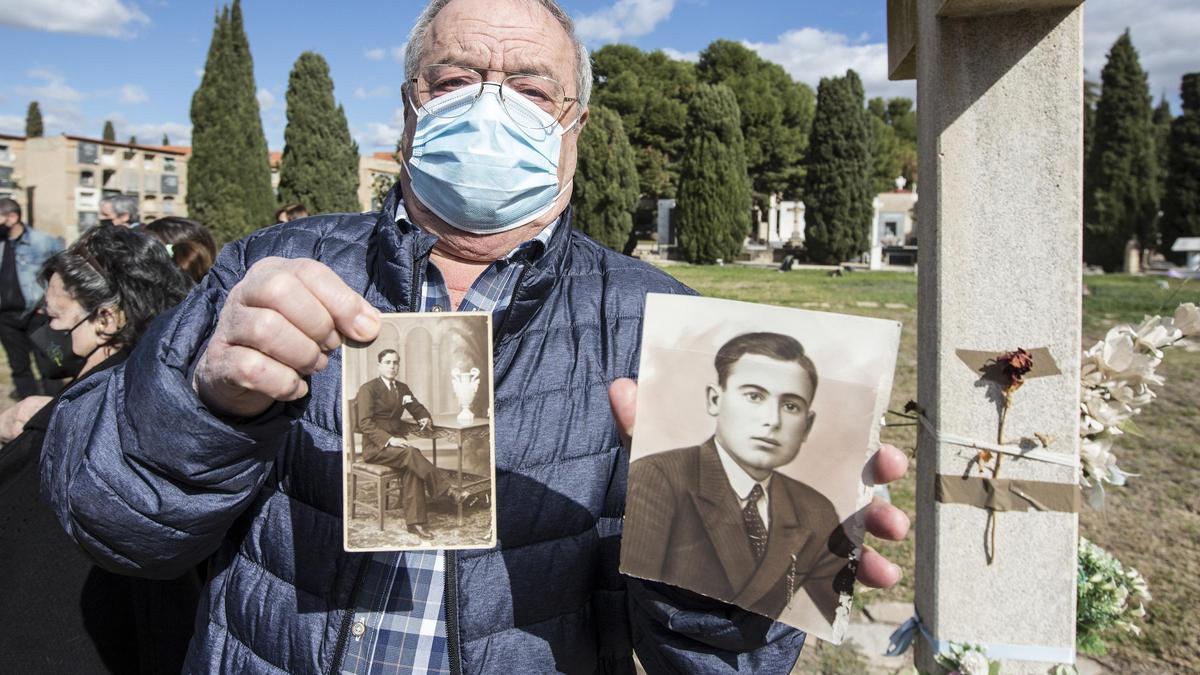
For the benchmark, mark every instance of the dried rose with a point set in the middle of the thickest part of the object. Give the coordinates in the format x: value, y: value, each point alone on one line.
x: 1016, y: 365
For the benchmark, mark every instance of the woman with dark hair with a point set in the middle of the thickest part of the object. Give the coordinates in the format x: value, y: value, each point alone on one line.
x: 188, y: 242
x: 59, y: 612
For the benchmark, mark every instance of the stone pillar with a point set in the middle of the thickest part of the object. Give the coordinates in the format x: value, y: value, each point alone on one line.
x: 999, y: 95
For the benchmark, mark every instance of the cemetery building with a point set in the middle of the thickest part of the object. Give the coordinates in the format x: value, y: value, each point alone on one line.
x: 60, y: 180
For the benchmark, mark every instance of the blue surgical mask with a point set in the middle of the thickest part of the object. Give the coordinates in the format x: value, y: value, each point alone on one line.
x: 481, y: 172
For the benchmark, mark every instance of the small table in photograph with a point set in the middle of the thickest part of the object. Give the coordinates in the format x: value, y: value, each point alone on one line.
x: 462, y: 484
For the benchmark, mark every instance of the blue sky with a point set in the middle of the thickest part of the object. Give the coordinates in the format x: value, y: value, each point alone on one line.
x: 137, y: 62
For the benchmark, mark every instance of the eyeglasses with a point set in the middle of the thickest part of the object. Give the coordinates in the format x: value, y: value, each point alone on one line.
x: 442, y: 79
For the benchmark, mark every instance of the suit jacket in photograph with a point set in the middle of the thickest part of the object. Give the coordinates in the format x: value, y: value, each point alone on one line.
x: 684, y: 526
x: 380, y: 411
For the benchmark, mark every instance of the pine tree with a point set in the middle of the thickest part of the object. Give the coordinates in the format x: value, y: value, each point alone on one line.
x: 837, y: 193
x: 33, y: 121
x: 110, y: 134
x: 229, y: 175
x: 606, y: 180
x: 1121, y: 175
x: 713, y: 212
x: 1181, y: 202
x: 1091, y: 94
x: 319, y: 167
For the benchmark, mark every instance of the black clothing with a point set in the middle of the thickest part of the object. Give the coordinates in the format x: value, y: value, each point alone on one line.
x: 11, y: 298
x: 60, y: 613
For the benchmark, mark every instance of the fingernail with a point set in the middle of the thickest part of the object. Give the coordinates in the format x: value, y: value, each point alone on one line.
x: 365, y: 325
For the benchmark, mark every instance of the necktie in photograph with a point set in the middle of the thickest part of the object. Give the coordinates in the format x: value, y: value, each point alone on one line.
x: 755, y: 529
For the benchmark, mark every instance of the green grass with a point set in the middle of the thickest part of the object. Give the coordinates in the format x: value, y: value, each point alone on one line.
x: 1153, y: 524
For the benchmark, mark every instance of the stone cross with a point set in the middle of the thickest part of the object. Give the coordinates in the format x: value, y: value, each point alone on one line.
x: 999, y: 106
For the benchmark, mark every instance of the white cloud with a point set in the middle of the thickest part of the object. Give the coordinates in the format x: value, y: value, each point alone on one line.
x: 376, y: 54
x: 152, y: 133
x: 13, y: 125
x: 132, y: 93
x: 1164, y: 34
x: 625, y: 19
x: 808, y: 54
x: 110, y: 18
x: 266, y: 100
x: 382, y: 135
x: 373, y: 92
x: 681, y: 56
x: 398, y: 53
x: 54, y: 87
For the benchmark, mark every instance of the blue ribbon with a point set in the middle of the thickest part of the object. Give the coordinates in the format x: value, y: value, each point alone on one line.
x: 902, y: 638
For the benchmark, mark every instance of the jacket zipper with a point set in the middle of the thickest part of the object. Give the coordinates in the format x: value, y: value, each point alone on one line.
x: 450, y: 598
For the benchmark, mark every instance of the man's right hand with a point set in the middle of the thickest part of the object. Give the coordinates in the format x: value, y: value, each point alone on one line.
x: 276, y: 328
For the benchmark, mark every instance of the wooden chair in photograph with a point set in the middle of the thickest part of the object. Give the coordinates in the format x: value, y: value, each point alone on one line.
x: 384, y: 477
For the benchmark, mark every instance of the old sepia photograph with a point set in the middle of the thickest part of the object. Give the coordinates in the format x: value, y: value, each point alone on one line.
x: 754, y: 425
x: 418, y: 448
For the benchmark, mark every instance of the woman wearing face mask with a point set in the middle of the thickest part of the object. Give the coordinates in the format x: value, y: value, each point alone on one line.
x: 60, y: 613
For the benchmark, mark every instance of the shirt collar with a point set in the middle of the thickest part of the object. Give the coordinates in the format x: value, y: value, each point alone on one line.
x: 741, y: 482
x: 528, y: 251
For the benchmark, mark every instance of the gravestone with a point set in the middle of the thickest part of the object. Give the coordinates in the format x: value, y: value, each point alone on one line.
x: 999, y: 101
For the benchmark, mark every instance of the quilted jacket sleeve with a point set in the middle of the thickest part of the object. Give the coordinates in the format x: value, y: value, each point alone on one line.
x: 136, y: 469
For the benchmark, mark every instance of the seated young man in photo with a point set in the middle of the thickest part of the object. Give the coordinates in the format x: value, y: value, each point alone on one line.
x: 381, y: 404
x: 718, y: 518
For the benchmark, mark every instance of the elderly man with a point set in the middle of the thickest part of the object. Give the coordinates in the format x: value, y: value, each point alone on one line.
x: 119, y: 210
x: 220, y: 437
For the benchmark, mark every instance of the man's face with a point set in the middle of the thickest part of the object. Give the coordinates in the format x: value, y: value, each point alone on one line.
x: 503, y: 36
x: 10, y: 219
x: 389, y: 367
x: 107, y: 213
x: 762, y: 412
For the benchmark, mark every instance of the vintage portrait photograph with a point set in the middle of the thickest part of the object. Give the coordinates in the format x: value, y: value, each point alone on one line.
x: 418, y: 449
x: 754, y: 424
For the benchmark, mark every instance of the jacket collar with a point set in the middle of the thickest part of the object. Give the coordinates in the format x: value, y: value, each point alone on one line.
x: 396, y: 251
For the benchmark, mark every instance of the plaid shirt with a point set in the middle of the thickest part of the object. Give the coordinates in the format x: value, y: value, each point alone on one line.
x: 400, y: 624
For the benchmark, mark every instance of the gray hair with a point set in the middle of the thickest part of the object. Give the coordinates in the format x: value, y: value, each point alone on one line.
x: 122, y: 204
x: 9, y: 205
x: 413, y: 51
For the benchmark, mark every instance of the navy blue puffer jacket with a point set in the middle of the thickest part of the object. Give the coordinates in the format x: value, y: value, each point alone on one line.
x: 150, y: 483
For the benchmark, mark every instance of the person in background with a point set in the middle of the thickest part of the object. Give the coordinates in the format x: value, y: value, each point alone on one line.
x: 296, y: 212
x: 188, y: 242
x: 289, y: 212
x: 119, y: 210
x: 22, y: 252
x: 60, y: 612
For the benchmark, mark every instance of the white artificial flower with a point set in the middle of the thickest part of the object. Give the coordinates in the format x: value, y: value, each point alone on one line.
x: 1133, y: 395
x: 973, y: 663
x: 1110, y: 414
x: 1187, y: 319
x: 1154, y: 333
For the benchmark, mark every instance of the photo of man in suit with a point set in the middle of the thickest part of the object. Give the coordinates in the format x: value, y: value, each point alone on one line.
x: 717, y: 518
x: 381, y: 404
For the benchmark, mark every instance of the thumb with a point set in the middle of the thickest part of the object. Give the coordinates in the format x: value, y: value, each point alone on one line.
x: 622, y: 394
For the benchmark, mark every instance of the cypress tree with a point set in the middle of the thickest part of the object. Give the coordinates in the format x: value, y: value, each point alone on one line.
x: 713, y: 215
x: 1121, y: 176
x: 33, y: 121
x: 1162, y: 142
x: 109, y: 134
x: 229, y: 175
x: 1181, y: 202
x: 166, y: 140
x: 133, y: 140
x: 606, y: 180
x: 837, y: 192
x: 319, y: 167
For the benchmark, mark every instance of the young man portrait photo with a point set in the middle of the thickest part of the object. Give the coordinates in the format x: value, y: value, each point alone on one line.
x: 718, y: 518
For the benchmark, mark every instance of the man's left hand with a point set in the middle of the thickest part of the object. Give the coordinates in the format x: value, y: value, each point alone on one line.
x: 882, y: 519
